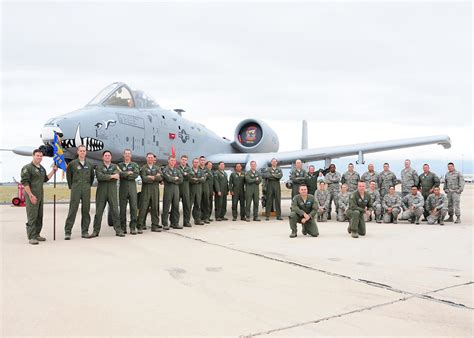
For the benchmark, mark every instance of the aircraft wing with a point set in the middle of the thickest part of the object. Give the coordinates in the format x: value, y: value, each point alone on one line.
x: 316, y: 154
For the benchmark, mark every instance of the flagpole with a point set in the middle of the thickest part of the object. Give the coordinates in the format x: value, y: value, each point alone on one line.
x: 54, y: 208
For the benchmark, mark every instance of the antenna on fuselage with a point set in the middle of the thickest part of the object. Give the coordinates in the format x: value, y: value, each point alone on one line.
x: 179, y: 111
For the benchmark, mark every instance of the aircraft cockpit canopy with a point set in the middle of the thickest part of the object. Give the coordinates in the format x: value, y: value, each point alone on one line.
x: 119, y: 94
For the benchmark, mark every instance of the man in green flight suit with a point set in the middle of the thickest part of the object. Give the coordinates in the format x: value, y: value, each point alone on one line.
x: 273, y: 175
x: 304, y: 210
x: 80, y: 176
x: 297, y: 177
x: 206, y: 192
x: 360, y: 204
x: 172, y: 178
x: 33, y: 175
x: 150, y: 195
x: 129, y: 171
x: 107, y: 175
x: 312, y: 180
x: 237, y: 190
x: 252, y: 193
x: 197, y: 179
x: 213, y: 186
x: 185, y: 170
x: 220, y: 176
x: 427, y: 182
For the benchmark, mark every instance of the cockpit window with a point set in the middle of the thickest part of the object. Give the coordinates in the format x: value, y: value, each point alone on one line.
x: 104, y: 93
x: 143, y: 101
x: 121, y: 97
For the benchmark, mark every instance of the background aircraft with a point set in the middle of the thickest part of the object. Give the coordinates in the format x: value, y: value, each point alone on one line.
x: 120, y: 117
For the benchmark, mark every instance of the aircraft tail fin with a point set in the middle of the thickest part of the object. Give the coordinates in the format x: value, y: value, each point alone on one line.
x: 304, y: 135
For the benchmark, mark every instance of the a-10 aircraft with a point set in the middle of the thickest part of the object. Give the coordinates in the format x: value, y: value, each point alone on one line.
x: 120, y: 117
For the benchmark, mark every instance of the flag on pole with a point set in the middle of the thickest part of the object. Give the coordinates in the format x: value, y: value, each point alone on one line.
x: 58, y: 155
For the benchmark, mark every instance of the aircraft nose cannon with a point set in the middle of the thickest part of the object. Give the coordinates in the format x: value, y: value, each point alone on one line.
x: 47, y: 150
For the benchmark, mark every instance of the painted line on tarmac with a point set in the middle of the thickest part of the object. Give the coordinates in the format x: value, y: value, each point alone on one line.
x: 424, y: 295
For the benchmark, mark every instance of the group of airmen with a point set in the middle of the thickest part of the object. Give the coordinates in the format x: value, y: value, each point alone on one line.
x: 198, y: 186
x: 420, y: 196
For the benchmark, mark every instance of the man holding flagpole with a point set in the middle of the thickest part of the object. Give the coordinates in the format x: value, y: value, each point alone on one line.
x: 33, y: 175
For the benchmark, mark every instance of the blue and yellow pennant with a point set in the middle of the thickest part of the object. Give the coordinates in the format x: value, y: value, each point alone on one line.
x: 58, y: 155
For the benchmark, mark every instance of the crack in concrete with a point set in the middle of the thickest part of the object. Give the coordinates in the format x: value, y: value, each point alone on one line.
x: 368, y: 308
x: 424, y: 295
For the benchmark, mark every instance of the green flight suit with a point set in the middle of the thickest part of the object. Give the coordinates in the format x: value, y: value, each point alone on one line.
x: 184, y: 194
x: 237, y: 189
x: 150, y: 197
x: 220, y: 177
x: 273, y: 190
x: 128, y: 194
x: 172, y: 178
x: 426, y: 183
x: 79, y: 179
x: 206, y: 195
x: 298, y: 208
x: 34, y: 177
x: 252, y: 192
x: 356, y: 211
x: 213, y: 187
x: 297, y: 178
x: 312, y: 182
x: 106, y: 194
x: 197, y: 180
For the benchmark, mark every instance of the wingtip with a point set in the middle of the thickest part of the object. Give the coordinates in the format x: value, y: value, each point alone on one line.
x: 445, y: 141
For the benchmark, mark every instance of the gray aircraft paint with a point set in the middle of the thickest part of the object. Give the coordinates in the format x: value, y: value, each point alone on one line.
x: 146, y: 127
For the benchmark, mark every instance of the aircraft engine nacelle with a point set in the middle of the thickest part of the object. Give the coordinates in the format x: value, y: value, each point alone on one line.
x: 255, y: 136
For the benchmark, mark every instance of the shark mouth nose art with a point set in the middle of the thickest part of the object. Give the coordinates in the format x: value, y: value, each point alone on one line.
x: 91, y: 144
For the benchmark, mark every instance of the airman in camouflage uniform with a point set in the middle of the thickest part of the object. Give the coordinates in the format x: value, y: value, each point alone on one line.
x: 453, y: 187
x: 297, y: 177
x: 376, y: 203
x: 385, y: 180
x: 220, y: 176
x: 351, y: 178
x: 252, y: 180
x: 33, y: 175
x: 129, y: 171
x: 343, y: 203
x: 107, y: 174
x: 80, y: 176
x: 437, y: 204
x: 237, y: 190
x: 184, y: 196
x: 360, y: 204
x: 304, y: 209
x: 413, y: 206
x: 150, y: 195
x: 333, y: 179
x: 172, y: 178
x: 322, y: 196
x: 392, y: 206
x: 273, y: 175
x: 369, y: 175
x: 312, y: 180
x: 409, y: 177
x: 197, y: 180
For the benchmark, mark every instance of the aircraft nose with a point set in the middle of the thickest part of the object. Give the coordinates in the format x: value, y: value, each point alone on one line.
x: 47, y: 133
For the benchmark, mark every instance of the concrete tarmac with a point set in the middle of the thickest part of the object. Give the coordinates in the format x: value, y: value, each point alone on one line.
x: 239, y: 279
